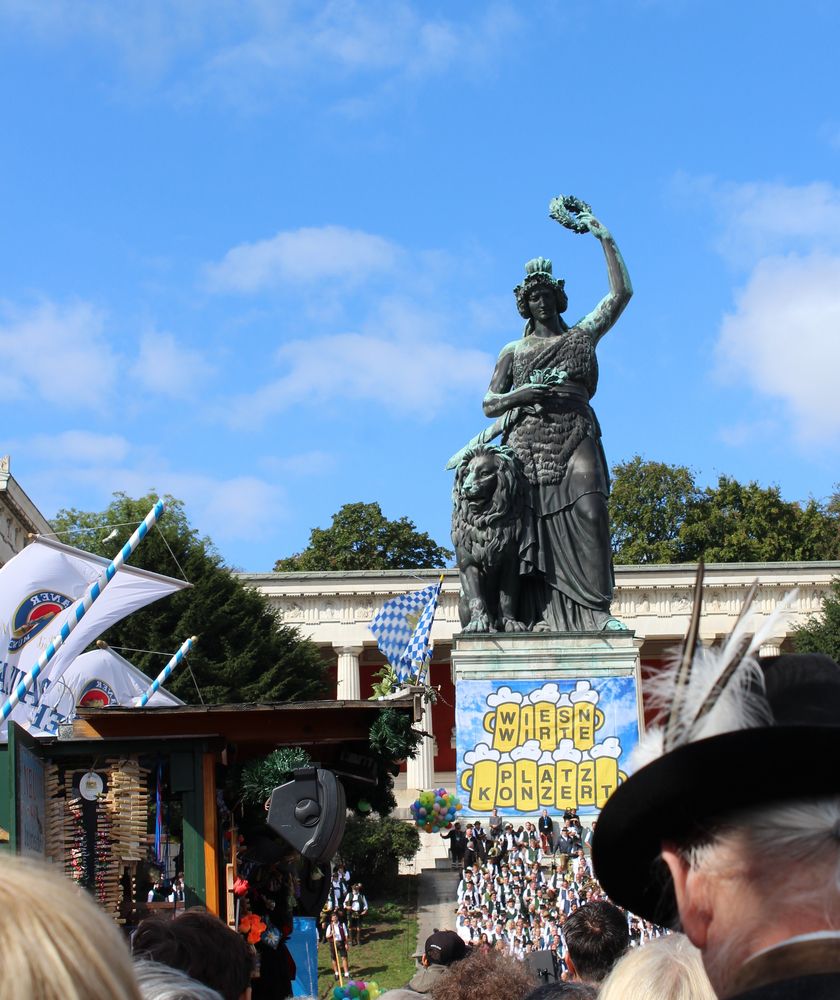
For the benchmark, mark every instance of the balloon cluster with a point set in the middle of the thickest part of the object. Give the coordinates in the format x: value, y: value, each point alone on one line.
x: 357, y: 990
x: 435, y: 810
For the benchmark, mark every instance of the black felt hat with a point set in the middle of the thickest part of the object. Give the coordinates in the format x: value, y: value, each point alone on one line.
x: 444, y: 948
x: 681, y: 795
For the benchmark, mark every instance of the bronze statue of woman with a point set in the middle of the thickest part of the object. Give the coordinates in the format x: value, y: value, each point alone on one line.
x: 541, y: 389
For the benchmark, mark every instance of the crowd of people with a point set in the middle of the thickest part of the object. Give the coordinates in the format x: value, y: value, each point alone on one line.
x: 519, y: 886
x: 749, y: 933
x: 59, y: 945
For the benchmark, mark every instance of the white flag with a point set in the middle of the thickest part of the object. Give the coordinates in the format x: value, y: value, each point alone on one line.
x: 102, y: 677
x: 38, y: 588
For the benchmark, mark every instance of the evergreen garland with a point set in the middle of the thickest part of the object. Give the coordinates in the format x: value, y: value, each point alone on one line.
x: 393, y: 737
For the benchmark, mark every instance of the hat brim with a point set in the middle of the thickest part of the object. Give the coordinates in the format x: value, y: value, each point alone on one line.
x: 684, y: 792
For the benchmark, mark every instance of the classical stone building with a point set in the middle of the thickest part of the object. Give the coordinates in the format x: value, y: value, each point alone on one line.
x: 19, y: 516
x: 334, y: 609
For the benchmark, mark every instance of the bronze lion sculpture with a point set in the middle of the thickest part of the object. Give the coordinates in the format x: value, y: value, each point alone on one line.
x: 486, y: 514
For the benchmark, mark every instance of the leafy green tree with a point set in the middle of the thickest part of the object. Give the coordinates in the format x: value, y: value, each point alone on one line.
x: 659, y: 514
x: 372, y: 848
x: 649, y: 504
x: 361, y: 537
x: 821, y: 632
x: 737, y: 522
x: 243, y: 654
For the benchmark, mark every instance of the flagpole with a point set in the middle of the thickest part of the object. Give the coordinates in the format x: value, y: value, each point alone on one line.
x: 427, y: 661
x: 80, y: 608
x: 167, y: 670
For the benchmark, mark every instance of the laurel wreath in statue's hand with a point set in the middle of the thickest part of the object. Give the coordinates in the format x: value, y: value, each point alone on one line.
x: 565, y: 209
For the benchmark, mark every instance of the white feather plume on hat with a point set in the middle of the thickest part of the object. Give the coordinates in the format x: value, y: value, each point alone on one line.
x: 705, y: 691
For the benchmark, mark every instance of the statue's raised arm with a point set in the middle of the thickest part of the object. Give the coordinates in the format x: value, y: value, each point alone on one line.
x: 577, y: 216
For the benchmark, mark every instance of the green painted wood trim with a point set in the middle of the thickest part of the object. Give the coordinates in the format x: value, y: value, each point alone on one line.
x: 6, y: 795
x: 192, y: 803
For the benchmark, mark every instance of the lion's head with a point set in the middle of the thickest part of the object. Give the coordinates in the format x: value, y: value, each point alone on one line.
x: 487, y: 486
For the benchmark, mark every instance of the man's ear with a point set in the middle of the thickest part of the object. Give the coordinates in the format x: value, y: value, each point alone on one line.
x: 570, y: 965
x: 691, y: 891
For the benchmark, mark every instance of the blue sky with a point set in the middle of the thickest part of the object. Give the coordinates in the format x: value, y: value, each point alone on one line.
x: 260, y: 254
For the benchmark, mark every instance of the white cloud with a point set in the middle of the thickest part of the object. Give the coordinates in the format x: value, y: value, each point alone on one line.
x: 779, y: 339
x: 782, y: 340
x: 77, y: 446
x: 57, y: 352
x: 167, y: 369
x: 227, y: 509
x: 746, y: 432
x: 377, y: 48
x: 240, y: 507
x: 249, y: 52
x: 307, y: 463
x: 306, y: 257
x: 759, y: 219
x: 408, y: 377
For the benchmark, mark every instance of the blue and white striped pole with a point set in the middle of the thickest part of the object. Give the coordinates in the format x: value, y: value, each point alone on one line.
x: 167, y: 670
x: 80, y: 608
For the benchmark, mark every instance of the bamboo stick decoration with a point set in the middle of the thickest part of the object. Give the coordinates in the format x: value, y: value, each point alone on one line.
x: 167, y: 670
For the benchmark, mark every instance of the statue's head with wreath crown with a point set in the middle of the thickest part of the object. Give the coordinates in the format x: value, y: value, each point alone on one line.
x: 538, y: 274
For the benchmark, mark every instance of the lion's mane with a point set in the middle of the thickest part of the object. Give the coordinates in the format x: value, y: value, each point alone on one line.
x: 485, y: 535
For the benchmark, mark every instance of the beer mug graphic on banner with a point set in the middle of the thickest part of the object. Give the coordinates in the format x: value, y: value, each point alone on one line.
x: 543, y: 723
x: 586, y: 783
x: 506, y: 793
x: 567, y: 759
x: 565, y: 721
x: 546, y: 779
x: 586, y: 717
x: 481, y: 779
x: 525, y: 772
x: 607, y: 775
x: 503, y: 720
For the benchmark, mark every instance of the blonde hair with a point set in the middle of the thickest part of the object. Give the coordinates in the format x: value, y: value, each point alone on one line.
x: 668, y: 968
x: 57, y: 943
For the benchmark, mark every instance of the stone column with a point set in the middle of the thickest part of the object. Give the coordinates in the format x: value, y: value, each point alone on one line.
x: 773, y: 647
x: 420, y: 770
x: 348, y: 687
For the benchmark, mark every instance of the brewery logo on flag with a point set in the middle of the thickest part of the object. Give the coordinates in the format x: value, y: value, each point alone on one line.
x: 34, y: 614
x: 524, y: 745
x: 97, y: 694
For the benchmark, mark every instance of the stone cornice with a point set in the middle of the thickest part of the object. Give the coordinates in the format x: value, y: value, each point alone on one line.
x: 654, y: 601
x: 18, y: 514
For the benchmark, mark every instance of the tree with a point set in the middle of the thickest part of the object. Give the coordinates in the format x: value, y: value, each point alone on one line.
x: 243, y: 654
x: 373, y: 847
x: 361, y: 537
x: 736, y: 522
x: 821, y: 632
x: 649, y: 504
x: 659, y: 514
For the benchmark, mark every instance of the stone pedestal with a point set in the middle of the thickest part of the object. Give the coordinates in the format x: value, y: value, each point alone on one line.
x: 545, y: 720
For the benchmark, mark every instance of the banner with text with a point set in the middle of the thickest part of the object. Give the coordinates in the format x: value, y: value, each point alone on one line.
x: 526, y: 745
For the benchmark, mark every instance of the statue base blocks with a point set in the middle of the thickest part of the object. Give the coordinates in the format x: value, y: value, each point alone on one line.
x: 545, y: 720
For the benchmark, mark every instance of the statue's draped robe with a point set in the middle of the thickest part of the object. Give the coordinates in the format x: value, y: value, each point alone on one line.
x: 566, y: 559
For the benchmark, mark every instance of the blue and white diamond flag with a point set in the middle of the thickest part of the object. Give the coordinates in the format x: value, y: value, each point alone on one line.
x: 403, y: 629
